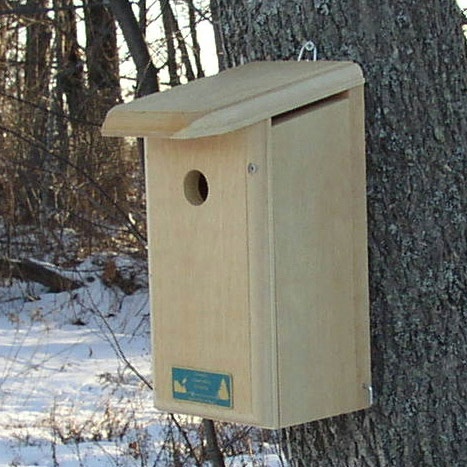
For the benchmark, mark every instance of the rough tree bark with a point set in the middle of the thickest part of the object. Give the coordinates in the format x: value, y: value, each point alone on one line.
x: 414, y: 60
x: 218, y: 35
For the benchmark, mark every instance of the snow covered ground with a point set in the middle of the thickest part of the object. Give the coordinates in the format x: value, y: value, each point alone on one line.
x: 69, y: 395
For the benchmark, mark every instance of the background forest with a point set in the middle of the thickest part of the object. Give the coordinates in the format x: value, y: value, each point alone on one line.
x: 63, y: 65
x: 73, y: 215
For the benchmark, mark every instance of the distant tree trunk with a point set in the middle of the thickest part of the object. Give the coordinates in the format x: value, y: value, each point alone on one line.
x: 99, y: 156
x: 414, y: 60
x: 37, y: 71
x: 192, y: 17
x: 214, y: 454
x: 167, y: 15
x: 101, y: 58
x: 218, y: 35
x: 70, y: 78
x: 3, y: 69
x: 182, y: 47
x: 147, y: 79
x: 7, y: 210
x: 36, y: 93
x: 70, y: 69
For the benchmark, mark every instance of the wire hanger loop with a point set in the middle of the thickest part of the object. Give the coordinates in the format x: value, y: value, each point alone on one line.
x: 309, y: 47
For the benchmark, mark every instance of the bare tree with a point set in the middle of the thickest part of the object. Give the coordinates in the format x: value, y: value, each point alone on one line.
x: 70, y: 66
x: 102, y: 56
x: 36, y: 91
x: 193, y: 23
x: 147, y: 74
x: 3, y: 66
x: 167, y: 15
x: 172, y: 31
x: 70, y: 85
x: 415, y: 64
x: 218, y: 36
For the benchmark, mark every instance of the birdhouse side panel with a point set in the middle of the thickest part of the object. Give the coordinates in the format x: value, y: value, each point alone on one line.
x: 261, y: 261
x: 315, y: 243
x: 360, y: 228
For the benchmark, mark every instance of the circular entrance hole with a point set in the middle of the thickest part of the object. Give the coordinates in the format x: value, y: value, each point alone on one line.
x: 196, y: 187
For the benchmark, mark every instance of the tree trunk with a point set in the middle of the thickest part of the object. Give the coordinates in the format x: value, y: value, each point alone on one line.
x: 4, y: 27
x: 218, y: 35
x: 414, y: 61
x: 214, y: 454
x: 102, y: 57
x: 147, y: 80
x: 167, y: 15
x: 70, y: 67
x: 192, y: 18
x: 185, y: 57
x: 147, y: 74
x: 36, y: 93
x: 104, y: 156
x: 142, y: 17
x: 70, y: 78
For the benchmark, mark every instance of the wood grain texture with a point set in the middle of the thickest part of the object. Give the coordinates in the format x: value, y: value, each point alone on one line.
x: 231, y: 100
x: 318, y: 185
x: 265, y: 391
x: 265, y: 280
x: 199, y: 254
x: 257, y: 241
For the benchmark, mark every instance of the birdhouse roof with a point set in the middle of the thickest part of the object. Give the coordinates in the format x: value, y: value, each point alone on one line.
x: 232, y: 99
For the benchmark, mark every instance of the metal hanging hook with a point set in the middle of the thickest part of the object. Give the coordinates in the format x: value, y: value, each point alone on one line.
x: 309, y: 46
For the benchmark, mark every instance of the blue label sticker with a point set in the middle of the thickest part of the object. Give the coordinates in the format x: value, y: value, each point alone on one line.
x: 202, y: 386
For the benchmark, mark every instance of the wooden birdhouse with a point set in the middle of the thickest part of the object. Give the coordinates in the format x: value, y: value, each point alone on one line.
x: 257, y: 242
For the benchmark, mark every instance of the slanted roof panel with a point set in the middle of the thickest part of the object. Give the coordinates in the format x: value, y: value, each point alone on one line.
x: 231, y: 100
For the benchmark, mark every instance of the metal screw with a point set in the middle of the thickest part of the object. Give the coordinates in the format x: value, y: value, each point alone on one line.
x: 252, y: 168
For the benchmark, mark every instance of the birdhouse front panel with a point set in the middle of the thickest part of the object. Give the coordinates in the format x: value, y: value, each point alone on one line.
x: 199, y: 236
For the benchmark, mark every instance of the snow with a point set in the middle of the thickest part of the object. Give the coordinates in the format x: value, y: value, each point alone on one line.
x: 68, y: 396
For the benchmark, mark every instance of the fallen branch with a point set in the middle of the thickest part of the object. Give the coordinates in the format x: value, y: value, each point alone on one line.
x: 34, y: 271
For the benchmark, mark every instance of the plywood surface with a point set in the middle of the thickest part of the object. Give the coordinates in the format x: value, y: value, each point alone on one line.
x: 322, y: 315
x: 261, y: 267
x: 267, y: 279
x: 200, y: 269
x: 231, y: 100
